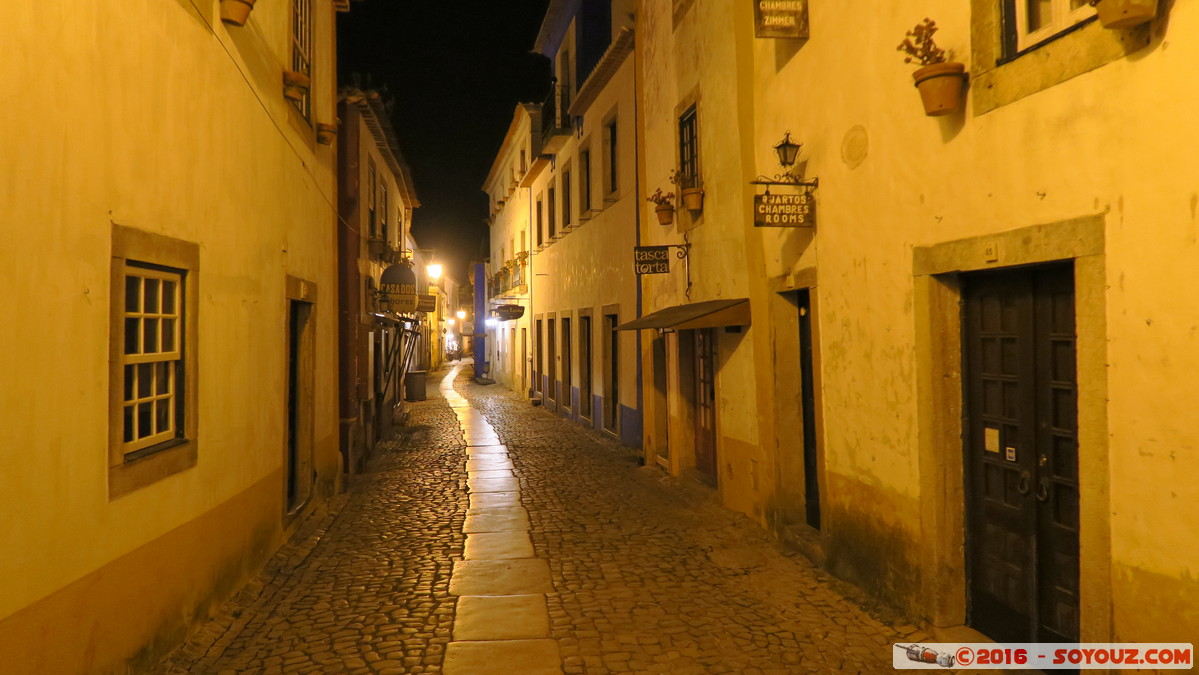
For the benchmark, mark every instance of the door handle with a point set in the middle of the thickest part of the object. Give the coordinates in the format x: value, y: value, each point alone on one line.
x: 1043, y: 490
x: 1023, y: 486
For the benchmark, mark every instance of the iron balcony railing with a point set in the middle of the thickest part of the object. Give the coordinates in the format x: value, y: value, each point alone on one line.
x: 554, y: 117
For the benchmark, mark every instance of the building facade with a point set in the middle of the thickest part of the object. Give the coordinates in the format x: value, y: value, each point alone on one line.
x: 174, y: 218
x: 376, y: 340
x: 959, y: 382
x: 582, y: 197
x: 508, y: 186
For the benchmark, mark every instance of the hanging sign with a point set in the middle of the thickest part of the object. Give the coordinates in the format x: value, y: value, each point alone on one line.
x: 508, y: 312
x: 426, y: 303
x: 784, y: 210
x: 397, y: 285
x: 651, y: 259
x: 787, y: 19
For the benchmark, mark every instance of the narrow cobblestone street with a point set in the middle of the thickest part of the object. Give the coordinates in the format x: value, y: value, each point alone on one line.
x: 644, y: 574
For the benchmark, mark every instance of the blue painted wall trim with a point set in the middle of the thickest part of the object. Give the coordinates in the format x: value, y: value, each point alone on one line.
x: 630, y: 427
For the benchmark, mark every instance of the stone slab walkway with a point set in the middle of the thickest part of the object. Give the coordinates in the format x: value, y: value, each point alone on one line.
x: 492, y: 536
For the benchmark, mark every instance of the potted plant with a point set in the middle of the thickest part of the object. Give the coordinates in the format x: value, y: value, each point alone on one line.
x: 939, y: 81
x: 664, y: 206
x: 1124, y: 13
x: 690, y: 192
x: 236, y: 12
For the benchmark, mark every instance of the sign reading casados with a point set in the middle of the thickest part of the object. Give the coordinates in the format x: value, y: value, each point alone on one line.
x: 651, y: 259
x: 786, y: 19
x: 775, y: 210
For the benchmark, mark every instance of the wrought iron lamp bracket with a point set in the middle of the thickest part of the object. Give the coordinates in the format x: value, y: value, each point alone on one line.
x: 788, y: 179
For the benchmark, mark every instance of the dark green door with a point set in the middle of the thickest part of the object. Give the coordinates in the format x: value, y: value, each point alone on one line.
x: 1021, y: 450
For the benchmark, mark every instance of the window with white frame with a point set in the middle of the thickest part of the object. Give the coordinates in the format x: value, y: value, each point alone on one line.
x: 1035, y: 21
x: 151, y: 358
x: 152, y: 391
x: 301, y: 50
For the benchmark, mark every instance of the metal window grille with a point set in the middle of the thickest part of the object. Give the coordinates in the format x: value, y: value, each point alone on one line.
x: 152, y: 357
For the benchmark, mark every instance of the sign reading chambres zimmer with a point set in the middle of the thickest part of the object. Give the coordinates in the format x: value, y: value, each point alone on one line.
x: 787, y: 19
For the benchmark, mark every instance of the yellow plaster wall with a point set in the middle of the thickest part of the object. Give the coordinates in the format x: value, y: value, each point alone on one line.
x: 1111, y: 141
x: 591, y: 265
x: 124, y: 614
x: 150, y: 116
x: 698, y: 60
x: 1114, y: 141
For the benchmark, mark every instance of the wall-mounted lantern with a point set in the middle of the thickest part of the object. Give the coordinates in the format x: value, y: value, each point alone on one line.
x: 786, y: 209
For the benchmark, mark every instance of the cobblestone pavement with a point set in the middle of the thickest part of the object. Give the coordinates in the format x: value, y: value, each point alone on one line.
x: 649, y: 574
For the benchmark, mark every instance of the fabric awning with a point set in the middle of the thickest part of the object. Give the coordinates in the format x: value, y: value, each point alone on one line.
x: 707, y: 314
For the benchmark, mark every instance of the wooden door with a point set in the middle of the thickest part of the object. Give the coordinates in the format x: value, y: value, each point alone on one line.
x: 1022, y: 454
x: 705, y: 405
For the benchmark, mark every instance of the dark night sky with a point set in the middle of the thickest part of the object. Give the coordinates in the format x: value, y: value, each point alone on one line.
x: 455, y: 71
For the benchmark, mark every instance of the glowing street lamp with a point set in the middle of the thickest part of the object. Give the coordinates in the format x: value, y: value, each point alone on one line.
x: 462, y: 314
x: 434, y: 271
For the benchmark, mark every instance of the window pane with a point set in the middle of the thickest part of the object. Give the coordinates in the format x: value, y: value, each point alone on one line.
x: 162, y: 377
x: 168, y: 297
x: 133, y: 288
x: 145, y: 379
x: 132, y: 333
x: 130, y: 378
x: 168, y: 335
x: 1040, y: 13
x: 144, y: 411
x: 162, y: 414
x: 128, y: 423
x: 150, y: 335
x: 151, y: 296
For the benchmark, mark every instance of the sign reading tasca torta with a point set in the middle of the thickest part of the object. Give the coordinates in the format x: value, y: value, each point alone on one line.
x: 651, y: 259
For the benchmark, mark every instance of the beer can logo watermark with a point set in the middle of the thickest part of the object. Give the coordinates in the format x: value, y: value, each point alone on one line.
x: 1043, y: 656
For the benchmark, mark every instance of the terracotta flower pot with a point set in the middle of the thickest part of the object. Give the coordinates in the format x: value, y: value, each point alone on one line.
x: 693, y: 199
x: 295, y: 85
x: 940, y: 86
x: 665, y: 213
x: 236, y: 12
x: 326, y: 133
x: 1125, y: 13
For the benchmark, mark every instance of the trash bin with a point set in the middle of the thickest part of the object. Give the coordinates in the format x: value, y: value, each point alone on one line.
x: 414, y: 385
